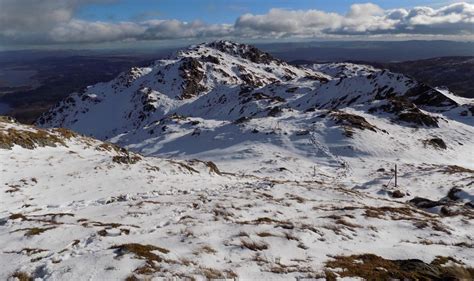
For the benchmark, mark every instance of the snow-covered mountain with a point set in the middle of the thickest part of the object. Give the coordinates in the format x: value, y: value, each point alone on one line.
x: 249, y: 112
x: 294, y: 178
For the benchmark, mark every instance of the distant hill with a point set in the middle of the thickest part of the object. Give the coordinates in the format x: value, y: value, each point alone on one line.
x: 455, y: 73
x: 374, y: 51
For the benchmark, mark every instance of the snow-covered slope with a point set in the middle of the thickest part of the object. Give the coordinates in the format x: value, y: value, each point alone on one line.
x: 301, y: 171
x: 249, y: 112
x: 75, y: 208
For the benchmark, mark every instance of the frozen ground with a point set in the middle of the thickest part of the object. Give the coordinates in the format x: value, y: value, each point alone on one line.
x: 73, y: 212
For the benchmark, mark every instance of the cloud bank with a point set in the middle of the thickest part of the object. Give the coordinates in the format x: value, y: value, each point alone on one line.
x: 54, y: 22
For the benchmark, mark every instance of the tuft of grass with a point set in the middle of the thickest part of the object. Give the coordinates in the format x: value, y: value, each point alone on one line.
x: 454, y: 169
x: 290, y: 236
x: 132, y: 277
x: 22, y: 276
x: 243, y: 234
x: 265, y: 234
x: 17, y: 216
x: 126, y: 159
x: 140, y: 251
x: 211, y: 165
x: 33, y: 230
x: 347, y: 223
x: 253, y: 245
x: 27, y: 251
x: 65, y: 133
x: 184, y: 166
x: 212, y: 273
x: 29, y: 139
x: 372, y: 267
x: 205, y: 249
x: 36, y: 231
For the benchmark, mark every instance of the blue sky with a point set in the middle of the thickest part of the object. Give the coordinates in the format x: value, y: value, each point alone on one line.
x: 26, y: 23
x: 224, y: 11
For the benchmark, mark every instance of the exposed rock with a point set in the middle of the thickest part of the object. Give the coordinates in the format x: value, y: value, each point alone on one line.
x: 192, y: 74
x: 397, y: 194
x: 437, y: 143
x: 244, y: 51
x: 423, y: 95
x: 452, y: 193
x: 351, y: 121
x: 406, y: 111
x: 424, y: 203
x: 126, y: 159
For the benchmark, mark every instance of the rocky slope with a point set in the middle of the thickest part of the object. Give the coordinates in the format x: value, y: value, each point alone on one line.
x: 294, y: 181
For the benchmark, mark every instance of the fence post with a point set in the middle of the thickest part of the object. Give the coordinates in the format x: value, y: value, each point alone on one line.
x: 395, y: 175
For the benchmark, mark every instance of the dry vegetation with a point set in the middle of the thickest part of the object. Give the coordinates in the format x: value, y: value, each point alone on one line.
x: 372, y: 267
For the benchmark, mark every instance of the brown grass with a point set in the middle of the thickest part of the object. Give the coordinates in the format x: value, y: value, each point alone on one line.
x: 140, y: 251
x: 110, y: 147
x: 28, y: 139
x: 211, y: 165
x: 184, y: 166
x: 372, y: 267
x: 126, y: 159
x: 27, y: 251
x: 454, y: 169
x: 65, y: 133
x: 22, y: 276
x: 33, y: 230
x: 17, y: 216
x: 265, y: 234
x: 206, y: 249
x: 211, y: 273
x: 253, y: 245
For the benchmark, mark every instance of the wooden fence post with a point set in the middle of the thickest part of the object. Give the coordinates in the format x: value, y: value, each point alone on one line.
x: 395, y: 175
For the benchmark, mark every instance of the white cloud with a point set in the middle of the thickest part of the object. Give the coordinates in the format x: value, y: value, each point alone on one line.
x: 365, y: 18
x: 78, y: 31
x: 53, y: 21
x: 174, y: 29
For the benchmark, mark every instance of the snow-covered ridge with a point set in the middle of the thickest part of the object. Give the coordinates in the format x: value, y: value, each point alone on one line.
x: 235, y: 105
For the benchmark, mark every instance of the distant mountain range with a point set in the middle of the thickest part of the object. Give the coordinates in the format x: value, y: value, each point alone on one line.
x: 373, y: 51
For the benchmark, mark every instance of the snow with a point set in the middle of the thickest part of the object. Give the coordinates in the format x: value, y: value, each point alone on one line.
x: 296, y: 187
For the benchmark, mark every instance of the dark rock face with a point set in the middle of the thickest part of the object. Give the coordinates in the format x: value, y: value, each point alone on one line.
x: 437, y: 143
x: 424, y: 203
x: 275, y: 111
x: 397, y: 194
x: 423, y: 95
x: 244, y: 51
x: 419, y: 118
x: 352, y: 121
x: 192, y: 74
x: 452, y: 193
x: 451, y: 205
x: 211, y: 59
x: 407, y: 112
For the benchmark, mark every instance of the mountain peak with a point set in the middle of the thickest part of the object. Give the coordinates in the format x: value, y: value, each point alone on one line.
x: 244, y: 51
